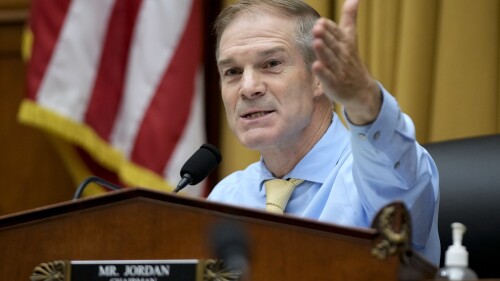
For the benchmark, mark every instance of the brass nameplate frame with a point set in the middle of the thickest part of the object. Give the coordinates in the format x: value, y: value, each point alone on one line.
x: 134, y: 270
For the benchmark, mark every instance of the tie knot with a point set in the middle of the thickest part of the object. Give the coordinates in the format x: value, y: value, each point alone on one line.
x: 278, y: 192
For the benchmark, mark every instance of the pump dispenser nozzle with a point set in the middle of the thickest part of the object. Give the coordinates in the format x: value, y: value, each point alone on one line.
x: 457, y: 258
x: 457, y: 255
x: 458, y: 231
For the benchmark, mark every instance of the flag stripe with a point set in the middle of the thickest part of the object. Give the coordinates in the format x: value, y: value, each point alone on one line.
x: 109, y: 83
x: 192, y: 138
x: 168, y: 112
x: 46, y: 21
x: 156, y: 36
x: 73, y: 66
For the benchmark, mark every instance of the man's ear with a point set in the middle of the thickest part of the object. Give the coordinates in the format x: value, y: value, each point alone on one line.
x: 318, y: 87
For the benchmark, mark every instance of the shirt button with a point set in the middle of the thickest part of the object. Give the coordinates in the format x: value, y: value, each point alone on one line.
x: 362, y: 136
x: 396, y: 166
x: 376, y: 136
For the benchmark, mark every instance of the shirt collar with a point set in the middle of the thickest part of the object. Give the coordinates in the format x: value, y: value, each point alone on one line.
x: 316, y: 164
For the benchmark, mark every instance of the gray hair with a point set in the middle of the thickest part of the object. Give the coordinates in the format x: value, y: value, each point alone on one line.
x: 305, y: 18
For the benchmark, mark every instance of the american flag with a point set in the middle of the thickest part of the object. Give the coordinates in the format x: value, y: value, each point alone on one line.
x: 121, y: 79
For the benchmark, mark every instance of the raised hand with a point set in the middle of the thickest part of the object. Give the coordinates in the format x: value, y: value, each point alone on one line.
x: 344, y: 77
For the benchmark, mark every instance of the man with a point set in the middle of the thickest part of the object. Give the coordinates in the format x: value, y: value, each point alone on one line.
x: 281, y: 69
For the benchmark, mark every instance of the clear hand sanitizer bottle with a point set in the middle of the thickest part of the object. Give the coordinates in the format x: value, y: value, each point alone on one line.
x: 456, y: 259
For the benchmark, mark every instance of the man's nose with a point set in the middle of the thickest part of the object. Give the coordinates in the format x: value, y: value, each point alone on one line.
x: 252, y: 85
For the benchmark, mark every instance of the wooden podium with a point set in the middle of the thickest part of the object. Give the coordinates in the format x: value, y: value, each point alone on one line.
x: 141, y: 224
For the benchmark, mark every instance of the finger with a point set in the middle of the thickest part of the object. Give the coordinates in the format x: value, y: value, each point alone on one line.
x: 327, y: 44
x: 327, y: 30
x: 328, y: 55
x: 349, y: 15
x: 325, y: 75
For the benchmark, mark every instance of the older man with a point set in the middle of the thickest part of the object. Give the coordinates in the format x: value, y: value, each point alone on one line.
x: 282, y: 68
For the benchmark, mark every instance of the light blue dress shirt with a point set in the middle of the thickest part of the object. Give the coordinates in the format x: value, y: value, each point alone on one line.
x: 351, y: 174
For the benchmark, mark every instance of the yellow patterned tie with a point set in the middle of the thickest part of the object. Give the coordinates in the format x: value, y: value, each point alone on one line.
x: 278, y: 192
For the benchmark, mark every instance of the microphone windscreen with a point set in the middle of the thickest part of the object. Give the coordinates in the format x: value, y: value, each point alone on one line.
x: 230, y: 243
x: 201, y: 163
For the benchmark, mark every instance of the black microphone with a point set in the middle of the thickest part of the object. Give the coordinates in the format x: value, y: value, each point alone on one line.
x: 199, y: 165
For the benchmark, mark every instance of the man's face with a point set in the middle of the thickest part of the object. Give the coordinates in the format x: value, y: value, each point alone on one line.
x: 267, y: 90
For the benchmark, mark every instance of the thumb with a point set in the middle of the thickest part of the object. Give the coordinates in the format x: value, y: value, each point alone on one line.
x: 349, y: 15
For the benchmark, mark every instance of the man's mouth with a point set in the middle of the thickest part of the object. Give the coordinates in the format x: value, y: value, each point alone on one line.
x: 255, y: 115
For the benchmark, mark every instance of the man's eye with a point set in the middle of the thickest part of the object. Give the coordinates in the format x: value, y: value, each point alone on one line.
x: 272, y: 63
x: 231, y: 72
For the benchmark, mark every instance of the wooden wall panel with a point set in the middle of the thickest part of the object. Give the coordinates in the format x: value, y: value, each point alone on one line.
x: 31, y: 172
x: 13, y: 4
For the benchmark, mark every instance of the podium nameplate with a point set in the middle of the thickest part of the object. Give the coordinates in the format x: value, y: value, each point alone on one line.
x: 134, y: 270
